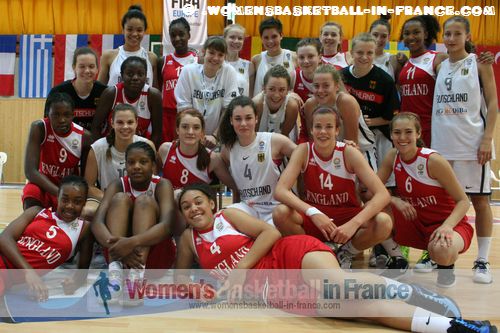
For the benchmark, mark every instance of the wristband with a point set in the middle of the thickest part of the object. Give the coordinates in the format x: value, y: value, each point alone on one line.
x: 312, y: 211
x: 93, y: 200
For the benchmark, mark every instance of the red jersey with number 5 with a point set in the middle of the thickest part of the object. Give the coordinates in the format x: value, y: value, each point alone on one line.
x: 328, y: 185
x: 415, y: 186
x: 47, y: 242
x: 60, y: 155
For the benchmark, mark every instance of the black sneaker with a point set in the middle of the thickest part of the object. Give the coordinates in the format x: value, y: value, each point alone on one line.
x: 396, y: 268
x: 434, y: 302
x: 470, y: 326
x: 446, y: 276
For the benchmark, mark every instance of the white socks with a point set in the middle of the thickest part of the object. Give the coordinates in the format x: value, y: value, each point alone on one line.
x: 424, y: 321
x: 392, y: 248
x: 483, y: 244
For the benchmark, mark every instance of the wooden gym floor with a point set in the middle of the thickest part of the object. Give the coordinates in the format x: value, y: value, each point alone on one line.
x: 484, y: 306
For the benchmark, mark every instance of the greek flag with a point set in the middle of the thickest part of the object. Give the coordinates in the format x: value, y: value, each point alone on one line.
x: 35, y: 66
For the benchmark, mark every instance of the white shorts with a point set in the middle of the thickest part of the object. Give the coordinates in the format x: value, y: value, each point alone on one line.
x: 474, y: 177
x: 264, y: 213
x: 371, y: 157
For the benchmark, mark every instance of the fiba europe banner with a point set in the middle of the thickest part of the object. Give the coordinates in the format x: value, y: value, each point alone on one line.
x: 194, y: 12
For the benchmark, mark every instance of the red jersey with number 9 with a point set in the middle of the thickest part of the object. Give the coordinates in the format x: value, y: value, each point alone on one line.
x: 60, y: 155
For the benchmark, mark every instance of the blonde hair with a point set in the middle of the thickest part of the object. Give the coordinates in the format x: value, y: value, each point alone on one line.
x: 233, y: 26
x: 362, y: 37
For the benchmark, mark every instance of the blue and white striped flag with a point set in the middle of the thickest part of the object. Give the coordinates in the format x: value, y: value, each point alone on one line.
x: 35, y: 66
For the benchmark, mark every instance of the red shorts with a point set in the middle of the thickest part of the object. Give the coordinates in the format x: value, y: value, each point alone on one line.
x: 168, y: 125
x: 283, y: 274
x: 416, y: 233
x: 33, y: 191
x: 161, y: 255
x: 343, y: 216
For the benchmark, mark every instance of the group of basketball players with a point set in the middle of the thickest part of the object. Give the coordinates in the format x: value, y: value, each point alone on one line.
x: 358, y: 138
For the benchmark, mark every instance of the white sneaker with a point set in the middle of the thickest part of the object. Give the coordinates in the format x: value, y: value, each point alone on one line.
x: 482, y: 273
x: 115, y: 285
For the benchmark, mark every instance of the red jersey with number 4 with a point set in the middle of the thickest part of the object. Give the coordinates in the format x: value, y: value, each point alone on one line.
x: 220, y: 248
x: 47, y: 242
x: 328, y: 185
x: 415, y: 185
x: 181, y: 169
x: 172, y: 66
x: 60, y: 155
x: 133, y: 193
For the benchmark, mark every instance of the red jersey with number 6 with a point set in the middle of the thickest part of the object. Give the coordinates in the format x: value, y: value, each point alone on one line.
x: 415, y: 186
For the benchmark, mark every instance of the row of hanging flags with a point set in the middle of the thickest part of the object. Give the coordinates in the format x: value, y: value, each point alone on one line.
x: 46, y: 60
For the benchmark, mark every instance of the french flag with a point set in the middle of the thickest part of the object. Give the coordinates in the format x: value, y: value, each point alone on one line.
x: 64, y: 49
x: 7, y: 64
x: 101, y: 43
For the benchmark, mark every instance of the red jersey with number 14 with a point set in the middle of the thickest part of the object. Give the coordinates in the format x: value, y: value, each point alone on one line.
x: 328, y: 185
x: 60, y: 155
x: 414, y: 185
x: 47, y: 242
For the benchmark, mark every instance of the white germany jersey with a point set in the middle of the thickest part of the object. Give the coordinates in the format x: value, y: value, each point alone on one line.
x: 272, y: 122
x: 254, y: 171
x: 109, y: 170
x: 458, y: 110
x: 242, y: 67
x: 115, y: 68
x: 384, y: 62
